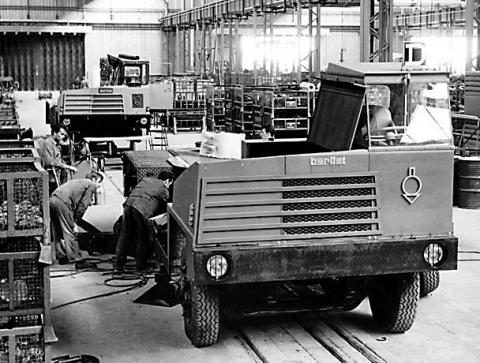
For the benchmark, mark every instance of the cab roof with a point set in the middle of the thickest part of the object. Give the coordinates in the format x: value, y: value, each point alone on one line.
x: 384, y: 72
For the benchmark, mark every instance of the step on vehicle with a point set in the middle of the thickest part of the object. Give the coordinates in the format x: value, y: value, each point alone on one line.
x: 361, y: 209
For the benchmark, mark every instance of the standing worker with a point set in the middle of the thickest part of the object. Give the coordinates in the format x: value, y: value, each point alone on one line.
x: 148, y: 199
x: 68, y: 204
x: 51, y: 158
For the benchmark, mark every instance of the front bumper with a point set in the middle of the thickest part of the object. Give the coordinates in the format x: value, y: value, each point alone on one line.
x: 314, y: 260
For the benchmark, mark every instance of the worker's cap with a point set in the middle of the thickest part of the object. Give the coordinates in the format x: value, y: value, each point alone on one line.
x: 93, y: 174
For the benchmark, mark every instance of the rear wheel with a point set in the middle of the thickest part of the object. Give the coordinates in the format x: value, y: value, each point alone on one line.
x: 201, y: 314
x: 429, y: 282
x: 394, y: 300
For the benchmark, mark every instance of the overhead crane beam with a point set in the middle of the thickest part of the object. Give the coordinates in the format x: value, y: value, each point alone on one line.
x: 232, y: 9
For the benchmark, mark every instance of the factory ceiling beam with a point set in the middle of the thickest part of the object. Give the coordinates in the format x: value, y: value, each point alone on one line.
x: 233, y: 9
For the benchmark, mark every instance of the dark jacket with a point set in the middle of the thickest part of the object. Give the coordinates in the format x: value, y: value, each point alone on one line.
x: 77, y: 194
x: 149, y: 197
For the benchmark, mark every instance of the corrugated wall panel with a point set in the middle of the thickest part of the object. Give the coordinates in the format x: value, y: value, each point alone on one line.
x: 44, y: 62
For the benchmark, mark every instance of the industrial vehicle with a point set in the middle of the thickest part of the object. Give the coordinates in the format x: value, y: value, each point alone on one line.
x: 363, y: 208
x: 124, y: 107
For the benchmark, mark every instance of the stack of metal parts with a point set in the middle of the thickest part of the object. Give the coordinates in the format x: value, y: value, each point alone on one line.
x: 25, y: 324
x: 9, y: 127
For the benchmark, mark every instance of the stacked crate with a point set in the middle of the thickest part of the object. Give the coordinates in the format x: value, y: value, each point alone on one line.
x: 288, y: 111
x: 216, y: 105
x: 189, y: 101
x: 9, y: 127
x: 24, y: 282
x: 242, y: 112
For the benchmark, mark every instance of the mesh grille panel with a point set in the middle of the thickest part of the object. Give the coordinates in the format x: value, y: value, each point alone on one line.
x: 20, y: 244
x: 10, y: 322
x: 328, y: 193
x: 327, y: 217
x: 329, y: 229
x: 28, y: 203
x: 328, y: 205
x: 329, y: 181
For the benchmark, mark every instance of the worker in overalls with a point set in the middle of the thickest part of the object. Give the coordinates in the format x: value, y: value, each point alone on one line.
x: 68, y: 204
x: 148, y: 199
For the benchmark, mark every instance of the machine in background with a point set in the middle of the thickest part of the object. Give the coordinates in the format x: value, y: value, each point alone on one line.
x: 122, y: 108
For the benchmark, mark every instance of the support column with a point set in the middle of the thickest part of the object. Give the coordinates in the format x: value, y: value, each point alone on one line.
x: 230, y: 47
x: 177, y: 50
x: 318, y: 42
x: 299, y: 38
x: 221, y: 49
x: 254, y: 16
x: 310, y: 35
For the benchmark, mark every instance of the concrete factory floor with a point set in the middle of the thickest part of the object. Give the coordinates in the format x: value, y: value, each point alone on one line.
x: 117, y: 330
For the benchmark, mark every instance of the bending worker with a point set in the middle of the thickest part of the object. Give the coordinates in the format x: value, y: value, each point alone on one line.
x: 148, y: 199
x: 68, y: 204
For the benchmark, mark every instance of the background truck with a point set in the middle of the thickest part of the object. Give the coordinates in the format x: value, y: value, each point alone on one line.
x: 124, y: 107
x: 364, y: 208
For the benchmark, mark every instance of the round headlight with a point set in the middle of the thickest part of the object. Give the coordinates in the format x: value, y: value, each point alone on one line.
x: 433, y: 254
x: 67, y: 122
x: 217, y: 266
x: 143, y: 121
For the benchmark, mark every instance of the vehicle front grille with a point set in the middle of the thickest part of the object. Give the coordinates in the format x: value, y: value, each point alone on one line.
x: 105, y: 104
x: 282, y: 208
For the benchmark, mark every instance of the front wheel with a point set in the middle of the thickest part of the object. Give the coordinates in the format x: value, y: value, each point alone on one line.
x: 429, y: 282
x: 201, y: 314
x: 394, y: 300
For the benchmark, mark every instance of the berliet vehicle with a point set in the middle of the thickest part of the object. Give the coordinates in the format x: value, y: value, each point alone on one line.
x: 123, y: 108
x: 363, y: 208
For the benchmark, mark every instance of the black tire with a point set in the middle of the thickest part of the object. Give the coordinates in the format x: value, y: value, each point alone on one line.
x: 394, y: 300
x: 429, y: 282
x: 201, y: 314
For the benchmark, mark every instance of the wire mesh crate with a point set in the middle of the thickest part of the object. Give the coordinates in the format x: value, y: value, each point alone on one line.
x: 21, y: 244
x: 22, y: 285
x: 139, y: 164
x: 22, y: 345
x: 23, y: 197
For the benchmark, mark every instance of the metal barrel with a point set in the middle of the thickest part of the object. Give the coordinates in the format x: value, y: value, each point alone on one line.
x: 469, y: 182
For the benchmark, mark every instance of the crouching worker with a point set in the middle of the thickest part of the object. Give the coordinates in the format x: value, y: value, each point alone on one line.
x: 148, y: 199
x: 68, y: 204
